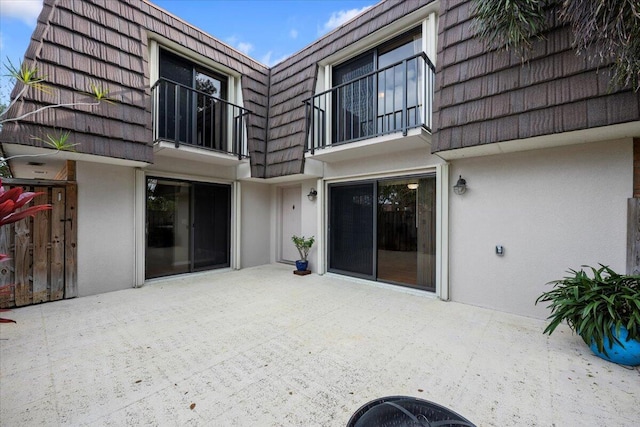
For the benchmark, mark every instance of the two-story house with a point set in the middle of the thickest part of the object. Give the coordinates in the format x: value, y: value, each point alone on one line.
x: 208, y: 159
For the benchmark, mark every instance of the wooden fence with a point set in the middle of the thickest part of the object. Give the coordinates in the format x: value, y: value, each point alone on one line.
x: 43, y: 249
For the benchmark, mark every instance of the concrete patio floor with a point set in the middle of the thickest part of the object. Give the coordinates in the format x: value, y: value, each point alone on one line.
x: 263, y: 347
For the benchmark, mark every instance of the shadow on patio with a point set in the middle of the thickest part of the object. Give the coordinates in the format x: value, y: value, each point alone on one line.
x: 263, y: 347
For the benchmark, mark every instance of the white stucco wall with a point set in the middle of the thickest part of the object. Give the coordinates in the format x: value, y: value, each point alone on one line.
x: 402, y: 162
x: 309, y: 223
x: 193, y: 170
x: 106, y: 251
x: 256, y: 224
x: 551, y: 209
x: 309, y: 214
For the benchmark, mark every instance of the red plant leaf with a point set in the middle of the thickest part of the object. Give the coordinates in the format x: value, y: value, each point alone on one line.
x: 17, y: 216
x: 3, y: 320
x: 7, y: 207
x: 11, y: 194
x: 25, y: 198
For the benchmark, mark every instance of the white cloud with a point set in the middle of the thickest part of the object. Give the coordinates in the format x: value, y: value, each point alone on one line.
x: 266, y: 59
x: 293, y: 33
x: 26, y: 11
x: 340, y: 17
x: 244, y: 47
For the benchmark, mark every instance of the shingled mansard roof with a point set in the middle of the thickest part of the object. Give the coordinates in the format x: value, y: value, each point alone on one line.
x: 484, y: 96
x: 481, y: 96
x: 293, y: 81
x: 104, y: 42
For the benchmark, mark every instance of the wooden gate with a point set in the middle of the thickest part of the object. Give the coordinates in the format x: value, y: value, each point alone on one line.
x: 42, y: 250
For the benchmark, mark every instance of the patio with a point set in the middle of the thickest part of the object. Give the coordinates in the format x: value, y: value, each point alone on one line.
x: 263, y: 347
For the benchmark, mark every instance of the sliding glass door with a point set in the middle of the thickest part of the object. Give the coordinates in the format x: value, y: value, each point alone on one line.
x: 211, y: 225
x: 187, y: 227
x: 351, y: 229
x: 384, y: 230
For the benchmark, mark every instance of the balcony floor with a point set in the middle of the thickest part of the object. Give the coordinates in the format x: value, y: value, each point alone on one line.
x: 387, y: 144
x: 263, y: 347
x: 194, y: 153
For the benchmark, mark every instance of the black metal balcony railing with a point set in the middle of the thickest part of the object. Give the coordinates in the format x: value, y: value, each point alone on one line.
x: 393, y: 99
x: 184, y: 115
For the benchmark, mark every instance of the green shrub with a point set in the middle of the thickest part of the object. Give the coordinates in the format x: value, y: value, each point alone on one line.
x: 595, y: 307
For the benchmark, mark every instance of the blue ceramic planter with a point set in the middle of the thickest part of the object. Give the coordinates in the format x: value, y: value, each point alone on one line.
x: 302, y: 265
x: 626, y: 354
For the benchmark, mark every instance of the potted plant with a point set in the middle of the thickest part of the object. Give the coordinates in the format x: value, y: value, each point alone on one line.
x: 604, y: 310
x: 303, y: 245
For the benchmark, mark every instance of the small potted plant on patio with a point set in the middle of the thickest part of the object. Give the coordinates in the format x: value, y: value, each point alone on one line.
x: 604, y: 310
x: 303, y: 245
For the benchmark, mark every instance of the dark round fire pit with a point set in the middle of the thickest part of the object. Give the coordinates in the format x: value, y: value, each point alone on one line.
x: 406, y: 411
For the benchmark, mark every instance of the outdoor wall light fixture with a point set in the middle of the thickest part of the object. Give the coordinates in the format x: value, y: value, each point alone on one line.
x: 461, y: 186
x: 412, y: 186
x: 312, y: 194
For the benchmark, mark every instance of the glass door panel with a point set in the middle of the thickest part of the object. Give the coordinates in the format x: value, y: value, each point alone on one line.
x: 212, y: 213
x: 391, y: 237
x: 168, y: 228
x: 175, y: 100
x: 353, y: 113
x: 211, y: 114
x: 397, y: 82
x: 406, y: 232
x: 426, y: 230
x: 188, y: 227
x: 351, y: 229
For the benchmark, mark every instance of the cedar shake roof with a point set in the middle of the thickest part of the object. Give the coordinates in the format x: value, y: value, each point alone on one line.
x: 294, y: 79
x: 481, y: 96
x: 484, y: 96
x: 77, y: 43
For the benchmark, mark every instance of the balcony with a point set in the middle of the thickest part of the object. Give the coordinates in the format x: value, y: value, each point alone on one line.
x: 390, y: 108
x: 195, y: 125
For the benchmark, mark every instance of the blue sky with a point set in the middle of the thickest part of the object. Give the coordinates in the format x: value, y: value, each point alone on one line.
x: 266, y: 30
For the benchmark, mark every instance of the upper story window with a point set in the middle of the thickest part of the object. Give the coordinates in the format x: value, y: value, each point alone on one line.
x: 367, y: 103
x: 193, y: 105
x: 180, y: 70
x: 190, y: 105
x: 385, y: 89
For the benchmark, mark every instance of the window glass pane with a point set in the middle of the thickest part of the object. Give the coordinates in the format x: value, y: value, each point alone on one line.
x: 192, y: 116
x: 174, y: 68
x: 211, y: 114
x: 210, y: 85
x: 399, y: 49
x: 353, y: 103
x: 353, y: 69
x: 175, y: 120
x: 397, y: 82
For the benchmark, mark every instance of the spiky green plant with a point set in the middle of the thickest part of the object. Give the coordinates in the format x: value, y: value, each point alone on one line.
x: 607, y: 30
x: 58, y: 141
x: 595, y: 307
x: 511, y: 25
x: 29, y: 75
x: 610, y: 30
